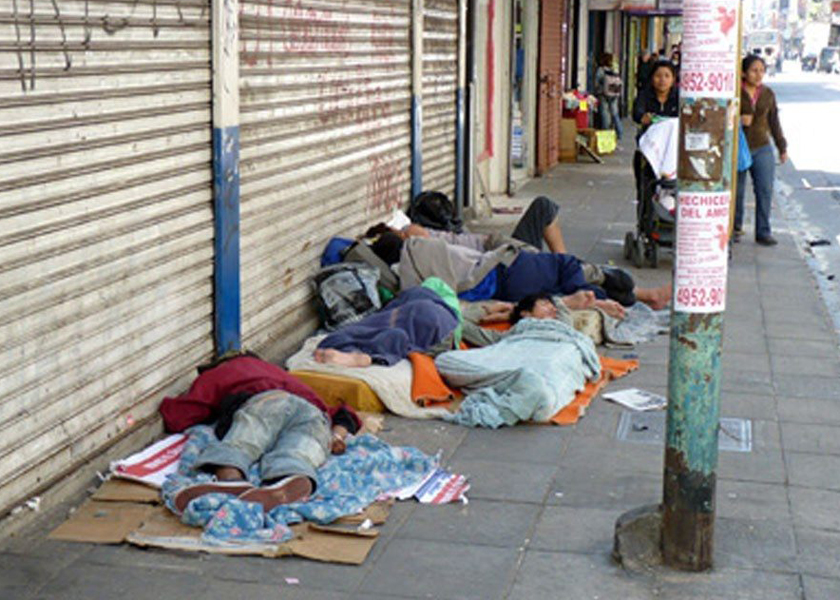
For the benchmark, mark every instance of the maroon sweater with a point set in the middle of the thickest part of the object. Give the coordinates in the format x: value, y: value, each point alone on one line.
x: 765, y: 120
x: 242, y: 375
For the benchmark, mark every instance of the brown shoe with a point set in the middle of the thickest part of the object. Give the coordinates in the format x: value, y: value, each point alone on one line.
x: 294, y: 488
x: 189, y: 493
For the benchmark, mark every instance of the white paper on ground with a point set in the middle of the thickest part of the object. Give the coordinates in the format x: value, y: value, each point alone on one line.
x: 636, y: 399
x: 152, y: 465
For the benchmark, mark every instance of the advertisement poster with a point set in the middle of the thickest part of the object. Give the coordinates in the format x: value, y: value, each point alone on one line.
x: 701, y: 256
x: 709, y: 49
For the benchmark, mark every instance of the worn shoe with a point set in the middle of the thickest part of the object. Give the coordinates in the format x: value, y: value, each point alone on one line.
x: 294, y: 488
x: 189, y: 493
x: 767, y: 240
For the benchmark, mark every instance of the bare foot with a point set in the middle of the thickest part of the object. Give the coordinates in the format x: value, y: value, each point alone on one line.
x: 656, y: 298
x: 580, y: 300
x: 331, y: 356
x: 229, y: 474
x: 611, y: 307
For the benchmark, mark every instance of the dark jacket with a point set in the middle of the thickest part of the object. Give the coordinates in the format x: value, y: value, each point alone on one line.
x: 765, y: 120
x: 646, y: 102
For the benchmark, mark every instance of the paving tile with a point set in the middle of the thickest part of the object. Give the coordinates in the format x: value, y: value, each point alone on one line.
x: 103, y: 582
x: 429, y: 436
x: 517, y: 482
x: 575, y: 529
x: 820, y: 588
x: 748, y: 406
x: 749, y: 500
x: 23, y: 576
x: 786, y: 348
x: 577, y: 576
x: 751, y: 382
x: 483, y: 522
x: 807, y: 386
x: 818, y: 439
x: 727, y: 584
x: 442, y: 570
x: 808, y: 410
x: 813, y: 319
x: 755, y: 362
x: 601, y: 485
x: 523, y: 443
x: 632, y: 456
x: 817, y: 509
x: 815, y: 330
x: 752, y: 544
x: 225, y: 590
x: 813, y: 470
x: 823, y: 366
x: 819, y: 552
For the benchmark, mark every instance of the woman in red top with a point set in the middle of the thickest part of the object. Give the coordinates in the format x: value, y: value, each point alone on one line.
x: 760, y: 118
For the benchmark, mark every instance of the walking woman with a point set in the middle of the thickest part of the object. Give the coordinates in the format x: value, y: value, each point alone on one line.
x: 760, y: 119
x: 608, y: 86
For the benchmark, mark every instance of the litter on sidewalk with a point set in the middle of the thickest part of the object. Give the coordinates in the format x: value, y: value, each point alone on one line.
x: 636, y: 399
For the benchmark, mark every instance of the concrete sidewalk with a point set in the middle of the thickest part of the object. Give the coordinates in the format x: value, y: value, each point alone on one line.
x: 544, y: 500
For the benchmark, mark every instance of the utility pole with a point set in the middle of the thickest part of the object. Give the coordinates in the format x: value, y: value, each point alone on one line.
x: 709, y: 107
x: 680, y: 532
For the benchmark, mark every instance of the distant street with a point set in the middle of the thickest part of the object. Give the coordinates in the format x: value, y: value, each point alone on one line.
x: 810, y: 183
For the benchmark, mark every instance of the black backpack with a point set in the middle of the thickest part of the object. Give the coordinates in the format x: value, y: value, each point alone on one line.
x: 435, y: 210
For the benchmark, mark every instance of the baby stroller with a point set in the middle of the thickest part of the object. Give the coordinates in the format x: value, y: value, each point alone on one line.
x: 655, y: 215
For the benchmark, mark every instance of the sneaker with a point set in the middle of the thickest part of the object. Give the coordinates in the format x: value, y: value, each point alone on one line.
x: 294, y: 488
x: 767, y: 240
x: 189, y: 493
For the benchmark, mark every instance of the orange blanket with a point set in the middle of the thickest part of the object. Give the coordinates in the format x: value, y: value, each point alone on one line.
x: 611, y: 368
x: 427, y: 386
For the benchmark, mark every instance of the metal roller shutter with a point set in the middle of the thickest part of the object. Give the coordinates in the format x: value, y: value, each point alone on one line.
x: 550, y: 83
x: 325, y: 145
x: 106, y: 214
x: 440, y: 80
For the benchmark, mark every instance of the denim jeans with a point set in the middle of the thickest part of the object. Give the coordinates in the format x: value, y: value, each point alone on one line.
x: 608, y: 110
x: 285, y: 433
x: 763, y: 172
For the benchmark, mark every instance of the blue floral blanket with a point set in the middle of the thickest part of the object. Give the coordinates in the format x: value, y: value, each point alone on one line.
x: 346, y: 485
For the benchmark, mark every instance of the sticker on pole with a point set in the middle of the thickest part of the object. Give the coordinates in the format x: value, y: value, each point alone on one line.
x: 701, y: 257
x: 708, y: 66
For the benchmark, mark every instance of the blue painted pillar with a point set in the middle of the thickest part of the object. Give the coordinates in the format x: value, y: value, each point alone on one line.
x: 416, y: 97
x: 708, y: 114
x: 227, y: 317
x: 460, y: 111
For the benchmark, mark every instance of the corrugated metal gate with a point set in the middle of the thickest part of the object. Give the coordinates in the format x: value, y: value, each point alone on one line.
x: 440, y: 81
x: 550, y: 83
x: 106, y: 214
x: 325, y: 144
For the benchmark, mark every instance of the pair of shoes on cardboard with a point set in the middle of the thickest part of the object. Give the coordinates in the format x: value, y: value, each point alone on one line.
x: 294, y: 488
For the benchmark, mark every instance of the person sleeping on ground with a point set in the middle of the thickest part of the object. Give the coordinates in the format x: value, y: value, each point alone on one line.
x: 263, y: 415
x: 506, y: 273
x: 422, y: 319
x: 537, y: 230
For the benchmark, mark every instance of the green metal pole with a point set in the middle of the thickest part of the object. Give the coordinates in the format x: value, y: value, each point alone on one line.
x: 708, y: 111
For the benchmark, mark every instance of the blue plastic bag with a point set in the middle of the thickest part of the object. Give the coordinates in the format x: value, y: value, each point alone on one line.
x: 744, y: 154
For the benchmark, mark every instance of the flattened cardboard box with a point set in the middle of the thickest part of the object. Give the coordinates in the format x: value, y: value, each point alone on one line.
x: 145, y: 525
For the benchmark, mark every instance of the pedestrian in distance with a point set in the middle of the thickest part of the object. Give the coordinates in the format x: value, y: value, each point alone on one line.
x: 760, y: 119
x: 643, y: 71
x: 608, y: 87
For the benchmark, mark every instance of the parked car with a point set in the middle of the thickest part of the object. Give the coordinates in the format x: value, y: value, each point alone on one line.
x: 830, y: 59
x: 809, y: 62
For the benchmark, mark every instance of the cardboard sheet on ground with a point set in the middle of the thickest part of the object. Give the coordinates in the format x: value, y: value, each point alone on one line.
x: 144, y: 525
x: 122, y: 490
x: 103, y: 522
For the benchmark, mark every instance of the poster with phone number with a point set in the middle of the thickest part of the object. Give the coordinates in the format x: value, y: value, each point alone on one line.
x: 701, y: 258
x: 708, y: 65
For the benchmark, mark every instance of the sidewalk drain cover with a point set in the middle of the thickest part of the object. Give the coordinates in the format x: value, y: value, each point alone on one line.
x: 649, y: 428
